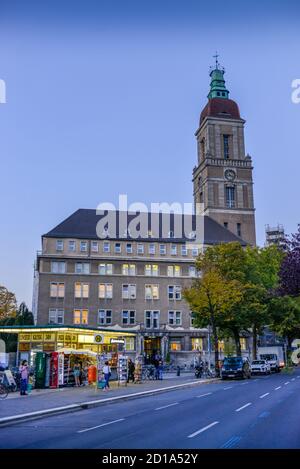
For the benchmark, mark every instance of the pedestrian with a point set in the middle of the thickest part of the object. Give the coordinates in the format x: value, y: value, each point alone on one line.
x: 160, y: 369
x: 24, y: 378
x: 107, y: 375
x: 76, y: 371
x: 131, y: 370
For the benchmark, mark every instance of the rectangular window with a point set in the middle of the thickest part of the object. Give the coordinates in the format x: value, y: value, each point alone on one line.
x: 243, y: 343
x: 140, y: 249
x: 193, y: 318
x: 118, y: 248
x: 72, y: 246
x: 130, y: 344
x: 83, y: 246
x: 59, y: 245
x: 174, y: 292
x: 239, y: 229
x: 162, y: 249
x: 81, y: 290
x: 95, y: 246
x: 151, y: 270
x: 106, y: 246
x: 226, y: 225
x: 197, y: 344
x: 104, y: 317
x: 56, y: 316
x: 128, y: 317
x: 80, y: 316
x: 226, y: 146
x: 174, y: 318
x: 195, y: 251
x: 57, y: 290
x: 175, y: 345
x: 173, y: 250
x: 151, y: 292
x: 105, y: 269
x: 174, y: 271
x: 128, y: 269
x: 152, y: 319
x: 192, y: 271
x: 128, y: 291
x: 183, y: 250
x: 58, y: 267
x: 82, y: 268
x: 105, y: 290
x: 151, y: 248
x: 129, y: 248
x: 230, y: 197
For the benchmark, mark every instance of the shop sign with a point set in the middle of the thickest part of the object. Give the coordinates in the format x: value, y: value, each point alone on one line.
x: 49, y: 337
x: 37, y: 337
x: 66, y: 337
x: 24, y: 337
x: 117, y: 341
x: 98, y: 338
x: 24, y: 347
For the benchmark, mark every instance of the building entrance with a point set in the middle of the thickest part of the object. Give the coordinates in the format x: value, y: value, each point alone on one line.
x: 152, y: 350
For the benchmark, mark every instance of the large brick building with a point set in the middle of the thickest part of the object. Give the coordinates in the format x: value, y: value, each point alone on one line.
x: 135, y: 283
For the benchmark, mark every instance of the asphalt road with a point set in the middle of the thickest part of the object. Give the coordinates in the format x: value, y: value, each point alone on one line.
x: 259, y: 413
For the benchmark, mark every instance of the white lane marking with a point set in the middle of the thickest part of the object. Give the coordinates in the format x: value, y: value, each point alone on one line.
x: 243, y: 407
x: 206, y: 394
x: 228, y: 387
x: 298, y: 377
x: 256, y: 379
x: 293, y: 379
x: 243, y: 384
x: 203, y: 429
x: 286, y: 383
x: 278, y: 387
x: 166, y: 406
x: 99, y: 426
x: 264, y: 395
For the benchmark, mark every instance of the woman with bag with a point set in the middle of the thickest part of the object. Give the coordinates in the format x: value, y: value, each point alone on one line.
x: 107, y: 375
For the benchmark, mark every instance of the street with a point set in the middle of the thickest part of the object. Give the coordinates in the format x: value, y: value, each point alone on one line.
x: 259, y: 413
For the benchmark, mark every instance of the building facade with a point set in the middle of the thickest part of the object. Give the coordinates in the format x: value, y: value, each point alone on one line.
x: 135, y: 283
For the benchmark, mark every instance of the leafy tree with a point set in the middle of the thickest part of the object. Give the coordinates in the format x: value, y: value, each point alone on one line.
x: 290, y: 267
x: 24, y: 316
x: 8, y: 303
x: 285, y: 317
x: 212, y: 299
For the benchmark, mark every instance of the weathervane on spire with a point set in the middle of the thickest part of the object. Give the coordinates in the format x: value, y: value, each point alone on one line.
x: 217, y: 66
x: 217, y: 62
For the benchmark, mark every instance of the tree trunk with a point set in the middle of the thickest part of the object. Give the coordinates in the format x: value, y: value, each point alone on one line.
x: 236, y: 336
x: 254, y: 342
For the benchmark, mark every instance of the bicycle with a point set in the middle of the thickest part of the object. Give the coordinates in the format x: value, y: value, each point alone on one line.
x: 148, y: 373
x: 3, y: 391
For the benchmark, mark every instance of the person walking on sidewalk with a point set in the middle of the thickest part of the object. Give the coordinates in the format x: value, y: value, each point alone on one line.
x: 77, y: 370
x: 107, y: 375
x: 24, y: 378
x: 131, y: 369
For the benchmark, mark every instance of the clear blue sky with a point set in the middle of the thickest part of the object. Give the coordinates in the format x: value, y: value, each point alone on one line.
x: 103, y: 97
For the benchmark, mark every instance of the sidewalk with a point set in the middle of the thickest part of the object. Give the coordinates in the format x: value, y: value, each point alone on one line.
x: 46, y: 399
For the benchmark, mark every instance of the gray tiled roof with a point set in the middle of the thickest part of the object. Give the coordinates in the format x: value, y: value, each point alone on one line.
x: 82, y: 225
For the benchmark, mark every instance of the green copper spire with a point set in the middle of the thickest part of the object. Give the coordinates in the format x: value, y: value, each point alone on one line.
x: 217, y: 84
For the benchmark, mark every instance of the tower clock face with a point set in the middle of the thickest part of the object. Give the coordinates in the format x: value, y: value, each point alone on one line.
x: 229, y: 175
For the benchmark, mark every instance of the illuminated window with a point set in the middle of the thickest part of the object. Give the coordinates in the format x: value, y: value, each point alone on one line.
x: 174, y: 318
x: 221, y: 345
x: 151, y: 292
x: 104, y: 317
x: 128, y: 269
x: 151, y: 270
x: 174, y: 292
x: 175, y: 345
x: 243, y: 343
x: 130, y: 344
x: 105, y: 290
x: 81, y: 290
x: 174, y: 271
x: 57, y: 290
x: 197, y: 343
x: 128, y: 291
x: 80, y: 316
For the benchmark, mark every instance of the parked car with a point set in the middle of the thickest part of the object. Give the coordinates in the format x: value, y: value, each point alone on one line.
x: 236, y: 367
x: 274, y: 355
x: 260, y: 367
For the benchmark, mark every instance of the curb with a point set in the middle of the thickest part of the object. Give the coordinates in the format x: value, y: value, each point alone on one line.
x: 96, y: 403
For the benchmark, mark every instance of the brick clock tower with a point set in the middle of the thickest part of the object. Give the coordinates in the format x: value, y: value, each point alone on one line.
x: 223, y: 186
